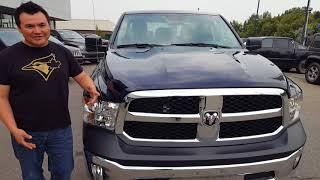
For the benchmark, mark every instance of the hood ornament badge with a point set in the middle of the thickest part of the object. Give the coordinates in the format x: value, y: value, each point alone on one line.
x: 210, y: 118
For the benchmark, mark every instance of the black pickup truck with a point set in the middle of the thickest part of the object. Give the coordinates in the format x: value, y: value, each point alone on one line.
x: 91, y: 47
x: 182, y: 98
x: 312, y: 64
x: 283, y: 51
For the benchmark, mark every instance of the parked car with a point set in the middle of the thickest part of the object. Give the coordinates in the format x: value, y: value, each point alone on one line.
x: 181, y: 97
x: 104, y: 41
x: 8, y: 37
x: 312, y: 74
x: 91, y: 47
x: 282, y: 51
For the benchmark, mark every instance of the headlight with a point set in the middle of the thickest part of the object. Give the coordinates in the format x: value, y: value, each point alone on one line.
x: 295, y: 100
x: 77, y: 53
x: 102, y: 114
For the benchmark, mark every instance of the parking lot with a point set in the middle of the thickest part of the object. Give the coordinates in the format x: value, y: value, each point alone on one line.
x: 308, y: 169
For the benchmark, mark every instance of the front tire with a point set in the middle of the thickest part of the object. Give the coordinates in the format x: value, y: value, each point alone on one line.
x: 312, y: 73
x: 301, y: 67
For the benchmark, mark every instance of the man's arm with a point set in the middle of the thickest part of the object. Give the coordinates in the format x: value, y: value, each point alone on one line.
x: 6, y: 116
x: 84, y: 80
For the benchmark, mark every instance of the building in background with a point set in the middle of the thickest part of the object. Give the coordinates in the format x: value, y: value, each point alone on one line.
x: 102, y: 28
x: 57, y: 9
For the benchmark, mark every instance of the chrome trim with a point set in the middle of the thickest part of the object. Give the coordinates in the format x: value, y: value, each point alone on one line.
x: 205, y: 92
x: 212, y: 104
x: 282, y: 168
x: 122, y: 111
x: 252, y: 137
x: 165, y: 118
x: 253, y: 115
x: 202, y: 167
x: 159, y: 140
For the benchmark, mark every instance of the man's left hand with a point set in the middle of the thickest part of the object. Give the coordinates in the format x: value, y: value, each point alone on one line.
x: 87, y: 84
x: 94, y: 94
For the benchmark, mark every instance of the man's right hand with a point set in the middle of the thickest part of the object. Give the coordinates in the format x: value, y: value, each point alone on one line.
x: 21, y: 136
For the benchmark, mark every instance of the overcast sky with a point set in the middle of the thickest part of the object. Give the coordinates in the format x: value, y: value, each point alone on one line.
x: 238, y: 10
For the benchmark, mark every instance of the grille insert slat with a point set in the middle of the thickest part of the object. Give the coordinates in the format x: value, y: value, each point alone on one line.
x: 246, y: 103
x: 166, y: 105
x: 249, y: 128
x: 151, y: 130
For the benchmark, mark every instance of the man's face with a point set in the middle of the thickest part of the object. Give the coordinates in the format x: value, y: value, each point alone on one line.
x: 35, y: 29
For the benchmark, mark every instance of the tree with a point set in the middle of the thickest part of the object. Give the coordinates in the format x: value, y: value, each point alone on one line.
x: 288, y: 24
x: 237, y: 26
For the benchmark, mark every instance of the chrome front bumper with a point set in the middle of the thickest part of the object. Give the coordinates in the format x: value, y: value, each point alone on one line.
x: 281, y: 167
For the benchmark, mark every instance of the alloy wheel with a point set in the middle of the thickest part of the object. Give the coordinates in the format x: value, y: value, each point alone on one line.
x: 313, y: 73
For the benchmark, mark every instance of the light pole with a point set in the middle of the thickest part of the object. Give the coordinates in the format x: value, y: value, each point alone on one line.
x: 258, y: 8
x: 305, y: 27
x: 257, y: 19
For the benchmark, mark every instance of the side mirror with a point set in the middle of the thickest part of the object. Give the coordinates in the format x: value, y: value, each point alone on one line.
x: 245, y: 44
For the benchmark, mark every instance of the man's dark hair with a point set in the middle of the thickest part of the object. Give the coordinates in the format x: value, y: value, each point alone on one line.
x: 29, y: 8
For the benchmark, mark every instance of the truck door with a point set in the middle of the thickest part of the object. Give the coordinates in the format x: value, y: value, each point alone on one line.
x: 266, y: 48
x: 315, y: 45
x: 283, y: 53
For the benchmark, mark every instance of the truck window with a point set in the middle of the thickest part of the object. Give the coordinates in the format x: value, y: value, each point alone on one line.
x: 281, y: 43
x: 299, y: 46
x: 291, y: 44
x: 316, y: 43
x: 267, y: 43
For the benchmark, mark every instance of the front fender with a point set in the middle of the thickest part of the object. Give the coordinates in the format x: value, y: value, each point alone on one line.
x: 311, y: 59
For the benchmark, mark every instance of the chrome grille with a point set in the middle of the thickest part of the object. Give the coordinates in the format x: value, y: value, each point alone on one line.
x: 244, y: 113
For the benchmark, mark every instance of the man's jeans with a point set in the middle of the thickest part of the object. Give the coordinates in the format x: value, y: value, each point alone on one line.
x: 59, y: 147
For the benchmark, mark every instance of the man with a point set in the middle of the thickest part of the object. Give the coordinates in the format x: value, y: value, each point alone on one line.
x: 34, y: 96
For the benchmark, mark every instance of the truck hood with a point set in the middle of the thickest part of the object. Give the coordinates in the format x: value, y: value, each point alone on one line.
x: 172, y: 67
x: 75, y: 42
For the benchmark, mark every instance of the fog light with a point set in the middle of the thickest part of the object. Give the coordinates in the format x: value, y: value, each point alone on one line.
x: 97, y: 172
x: 296, y: 161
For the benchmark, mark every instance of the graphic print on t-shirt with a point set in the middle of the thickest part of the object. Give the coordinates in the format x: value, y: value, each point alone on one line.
x: 44, y: 66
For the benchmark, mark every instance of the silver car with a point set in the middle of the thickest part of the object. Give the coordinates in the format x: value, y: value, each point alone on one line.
x: 8, y: 37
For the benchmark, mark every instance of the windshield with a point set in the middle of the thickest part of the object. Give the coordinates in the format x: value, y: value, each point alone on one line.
x: 170, y: 29
x: 70, y: 35
x: 10, y: 37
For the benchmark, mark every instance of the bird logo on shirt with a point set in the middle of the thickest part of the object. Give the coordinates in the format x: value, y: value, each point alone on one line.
x: 44, y: 66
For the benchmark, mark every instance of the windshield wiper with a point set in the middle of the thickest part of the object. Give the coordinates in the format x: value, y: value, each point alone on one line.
x: 142, y: 45
x: 201, y: 45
